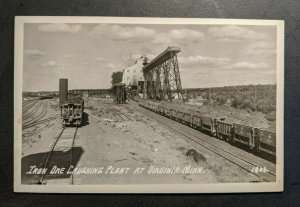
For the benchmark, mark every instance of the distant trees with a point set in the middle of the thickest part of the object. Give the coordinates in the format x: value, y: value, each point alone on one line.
x: 256, y: 98
x: 250, y: 97
x: 116, y: 77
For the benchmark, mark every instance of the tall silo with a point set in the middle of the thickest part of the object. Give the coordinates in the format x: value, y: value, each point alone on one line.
x: 63, y: 90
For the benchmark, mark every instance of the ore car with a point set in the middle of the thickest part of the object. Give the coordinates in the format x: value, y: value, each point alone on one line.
x: 224, y: 130
x: 209, y: 125
x: 197, y: 122
x: 267, y: 142
x: 71, y: 112
x: 257, y: 140
x: 244, y: 135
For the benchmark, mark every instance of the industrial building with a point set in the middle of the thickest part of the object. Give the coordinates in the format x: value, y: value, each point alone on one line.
x: 133, y: 76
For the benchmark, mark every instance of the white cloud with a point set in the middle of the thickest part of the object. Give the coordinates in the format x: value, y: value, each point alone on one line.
x: 162, y: 38
x: 67, y: 56
x: 261, y: 48
x: 50, y: 63
x: 85, y: 62
x: 60, y: 28
x: 219, y: 66
x: 110, y: 66
x: 34, y: 53
x: 179, y: 36
x: 200, y: 61
x: 235, y: 33
x: 123, y: 33
x: 53, y: 64
x: 247, y: 65
x: 186, y: 36
x: 99, y: 58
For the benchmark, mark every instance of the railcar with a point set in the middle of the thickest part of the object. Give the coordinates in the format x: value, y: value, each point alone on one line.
x: 244, y: 135
x: 152, y: 106
x: 258, y: 140
x: 224, y: 130
x: 186, y: 118
x: 170, y: 112
x: 177, y: 115
x: 146, y: 105
x: 267, y: 142
x: 71, y: 112
x: 209, y: 125
x: 161, y: 109
x: 197, y: 122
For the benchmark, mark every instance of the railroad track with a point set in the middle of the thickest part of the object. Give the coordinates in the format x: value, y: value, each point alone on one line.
x: 39, y: 122
x: 35, y: 119
x: 123, y: 116
x: 193, y: 135
x: 34, y: 109
x: 26, y: 103
x: 27, y: 106
x: 63, y: 143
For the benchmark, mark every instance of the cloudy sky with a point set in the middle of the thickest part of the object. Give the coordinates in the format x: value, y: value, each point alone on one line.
x: 87, y: 54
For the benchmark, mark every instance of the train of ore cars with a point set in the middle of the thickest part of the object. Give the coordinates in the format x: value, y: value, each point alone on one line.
x: 71, y: 111
x: 256, y: 140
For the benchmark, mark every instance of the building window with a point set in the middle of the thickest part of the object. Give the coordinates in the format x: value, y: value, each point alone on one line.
x: 134, y: 71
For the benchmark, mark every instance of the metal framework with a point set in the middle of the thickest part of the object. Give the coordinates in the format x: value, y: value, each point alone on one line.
x: 162, y: 76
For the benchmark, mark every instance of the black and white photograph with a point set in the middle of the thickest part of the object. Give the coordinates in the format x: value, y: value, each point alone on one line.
x: 148, y: 105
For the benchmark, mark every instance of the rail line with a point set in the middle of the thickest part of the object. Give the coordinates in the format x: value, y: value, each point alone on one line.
x: 234, y: 159
x: 35, y: 108
x: 61, y: 147
x: 39, y: 122
x: 27, y: 102
x: 27, y: 106
x: 37, y: 118
x: 123, y: 116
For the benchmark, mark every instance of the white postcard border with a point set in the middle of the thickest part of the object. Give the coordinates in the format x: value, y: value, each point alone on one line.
x: 148, y: 188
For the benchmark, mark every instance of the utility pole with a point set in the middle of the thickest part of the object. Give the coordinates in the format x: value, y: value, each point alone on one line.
x: 255, y: 97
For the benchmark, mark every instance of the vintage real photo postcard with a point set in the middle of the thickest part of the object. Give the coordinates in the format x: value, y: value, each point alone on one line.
x: 148, y: 105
